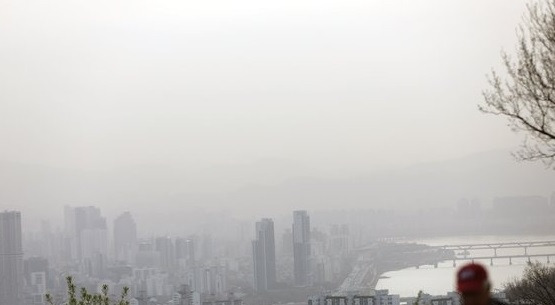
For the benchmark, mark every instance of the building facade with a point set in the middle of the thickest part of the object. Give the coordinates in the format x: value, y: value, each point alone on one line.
x: 11, y: 258
x: 301, y: 248
x: 166, y: 248
x: 380, y: 297
x: 125, y: 237
x: 264, y: 256
x: 85, y: 223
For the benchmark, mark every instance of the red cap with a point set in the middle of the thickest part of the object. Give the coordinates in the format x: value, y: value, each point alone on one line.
x: 472, y: 278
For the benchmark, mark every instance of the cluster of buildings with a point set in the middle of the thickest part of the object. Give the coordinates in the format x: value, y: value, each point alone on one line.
x: 451, y: 298
x: 264, y: 252
x: 379, y: 297
x: 382, y: 297
x: 316, y: 257
x: 160, y: 269
x: 180, y: 270
x: 155, y: 269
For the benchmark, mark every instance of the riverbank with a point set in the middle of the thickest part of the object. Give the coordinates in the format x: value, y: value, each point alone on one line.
x: 395, y: 256
x: 382, y: 257
x: 438, y: 281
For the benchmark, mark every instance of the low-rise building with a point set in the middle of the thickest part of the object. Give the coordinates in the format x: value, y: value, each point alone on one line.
x: 230, y: 300
x: 451, y: 298
x: 379, y: 297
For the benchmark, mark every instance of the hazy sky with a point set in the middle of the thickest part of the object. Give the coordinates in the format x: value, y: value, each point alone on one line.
x: 329, y: 84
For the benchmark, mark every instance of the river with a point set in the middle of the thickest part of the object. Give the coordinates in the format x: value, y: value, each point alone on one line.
x: 440, y: 280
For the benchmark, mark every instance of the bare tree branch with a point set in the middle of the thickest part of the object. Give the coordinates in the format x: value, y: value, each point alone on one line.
x: 526, y: 97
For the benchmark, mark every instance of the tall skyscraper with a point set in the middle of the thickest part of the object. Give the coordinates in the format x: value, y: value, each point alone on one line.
x: 165, y: 246
x: 86, y: 224
x: 264, y: 255
x: 125, y: 237
x: 185, y: 252
x: 287, y: 243
x: 191, y: 247
x: 301, y: 248
x: 11, y: 258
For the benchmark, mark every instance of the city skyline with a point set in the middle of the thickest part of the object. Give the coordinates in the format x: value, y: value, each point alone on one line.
x: 212, y: 267
x: 246, y: 152
x: 483, y: 176
x: 269, y: 133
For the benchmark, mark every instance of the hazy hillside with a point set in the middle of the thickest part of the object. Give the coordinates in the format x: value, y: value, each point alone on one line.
x: 266, y: 188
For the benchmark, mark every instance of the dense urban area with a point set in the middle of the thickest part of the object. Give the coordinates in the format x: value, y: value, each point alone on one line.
x: 317, y: 258
x: 291, y: 152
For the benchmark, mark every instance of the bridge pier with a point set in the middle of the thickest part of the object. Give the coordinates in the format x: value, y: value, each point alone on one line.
x: 462, y: 251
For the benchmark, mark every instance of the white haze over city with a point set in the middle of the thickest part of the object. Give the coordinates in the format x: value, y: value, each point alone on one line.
x: 253, y: 107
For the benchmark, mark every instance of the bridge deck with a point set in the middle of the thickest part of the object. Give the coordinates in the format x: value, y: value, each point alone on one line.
x: 506, y: 245
x: 502, y: 256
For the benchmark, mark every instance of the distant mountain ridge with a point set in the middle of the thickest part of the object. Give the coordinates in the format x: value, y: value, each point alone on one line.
x: 268, y: 188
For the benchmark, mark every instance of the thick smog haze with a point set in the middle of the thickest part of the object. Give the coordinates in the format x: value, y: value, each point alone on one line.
x: 330, y: 85
x: 196, y: 100
x: 241, y: 152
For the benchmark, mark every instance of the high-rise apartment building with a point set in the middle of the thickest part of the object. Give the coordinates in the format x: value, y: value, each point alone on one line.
x: 165, y: 246
x: 185, y: 252
x: 11, y: 258
x: 264, y: 255
x: 125, y: 237
x: 85, y: 224
x: 301, y: 248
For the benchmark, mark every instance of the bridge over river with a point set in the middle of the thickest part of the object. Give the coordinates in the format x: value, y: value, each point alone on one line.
x: 365, y: 274
x: 465, y: 254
